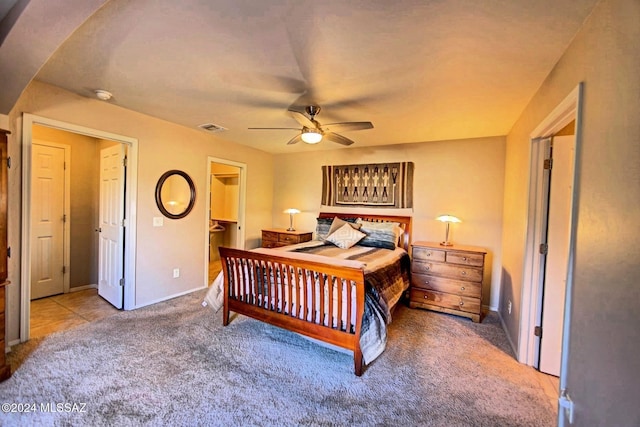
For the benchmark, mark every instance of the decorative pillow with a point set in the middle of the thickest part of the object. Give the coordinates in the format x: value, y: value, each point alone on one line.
x: 380, y: 234
x: 322, y: 228
x: 345, y: 236
x: 324, y: 224
x: 337, y: 223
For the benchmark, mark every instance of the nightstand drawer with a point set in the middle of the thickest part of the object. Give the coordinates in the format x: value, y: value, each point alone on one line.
x: 464, y: 258
x: 270, y: 235
x: 440, y: 299
x: 276, y: 238
x: 448, y: 270
x: 426, y: 254
x: 456, y: 287
x: 288, y: 239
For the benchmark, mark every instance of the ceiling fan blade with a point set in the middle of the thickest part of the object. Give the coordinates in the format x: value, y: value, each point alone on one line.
x: 347, y: 126
x: 273, y: 128
x: 302, y: 119
x: 334, y: 137
x: 295, y: 139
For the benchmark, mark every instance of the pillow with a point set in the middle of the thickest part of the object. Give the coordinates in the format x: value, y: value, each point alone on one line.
x: 345, y: 236
x: 380, y: 234
x: 337, y: 223
x: 322, y: 228
x: 323, y: 225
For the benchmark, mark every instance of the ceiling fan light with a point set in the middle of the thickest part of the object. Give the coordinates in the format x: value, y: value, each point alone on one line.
x: 311, y: 136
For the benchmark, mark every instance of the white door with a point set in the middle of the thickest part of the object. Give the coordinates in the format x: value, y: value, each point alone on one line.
x: 47, y: 221
x: 111, y: 225
x: 558, y: 236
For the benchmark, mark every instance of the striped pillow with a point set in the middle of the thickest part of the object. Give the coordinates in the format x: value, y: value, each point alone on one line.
x: 380, y: 234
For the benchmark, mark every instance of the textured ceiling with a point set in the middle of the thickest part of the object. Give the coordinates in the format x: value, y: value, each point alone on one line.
x: 419, y: 70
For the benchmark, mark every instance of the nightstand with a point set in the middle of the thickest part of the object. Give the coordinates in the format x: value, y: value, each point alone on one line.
x: 447, y: 279
x: 276, y: 237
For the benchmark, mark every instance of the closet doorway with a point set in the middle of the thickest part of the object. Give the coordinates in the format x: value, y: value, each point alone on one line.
x: 225, y: 210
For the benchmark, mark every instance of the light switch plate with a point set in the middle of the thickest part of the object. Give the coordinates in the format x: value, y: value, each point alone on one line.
x: 157, y: 221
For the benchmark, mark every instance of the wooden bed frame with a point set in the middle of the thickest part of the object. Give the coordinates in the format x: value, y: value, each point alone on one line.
x: 255, y: 283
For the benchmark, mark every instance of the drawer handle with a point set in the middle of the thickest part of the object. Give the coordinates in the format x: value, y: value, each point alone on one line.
x: 426, y: 297
x: 464, y: 273
x: 426, y: 282
x: 464, y: 258
x: 462, y: 288
x: 428, y: 253
x: 426, y: 267
x: 461, y: 303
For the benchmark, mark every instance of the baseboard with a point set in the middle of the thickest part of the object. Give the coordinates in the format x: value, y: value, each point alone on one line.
x: 190, y: 291
x: 506, y: 332
x: 82, y: 288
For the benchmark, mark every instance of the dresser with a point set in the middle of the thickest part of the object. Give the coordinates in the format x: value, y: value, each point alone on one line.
x: 276, y: 237
x: 447, y: 278
x: 5, y: 369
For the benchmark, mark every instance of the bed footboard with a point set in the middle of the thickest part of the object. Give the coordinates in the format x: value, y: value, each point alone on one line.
x: 318, y: 300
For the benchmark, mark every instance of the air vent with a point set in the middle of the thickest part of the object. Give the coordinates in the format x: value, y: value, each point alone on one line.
x: 210, y: 127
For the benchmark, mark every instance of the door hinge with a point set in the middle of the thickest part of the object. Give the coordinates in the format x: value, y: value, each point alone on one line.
x: 122, y: 281
x: 64, y: 218
x: 544, y: 248
x: 548, y: 163
x: 9, y: 252
x: 124, y: 162
x: 537, y: 331
x: 565, y: 402
x: 8, y: 162
x: 64, y: 269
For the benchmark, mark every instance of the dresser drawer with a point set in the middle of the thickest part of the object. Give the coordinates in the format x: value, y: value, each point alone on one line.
x: 448, y: 301
x: 427, y: 254
x: 448, y: 270
x: 442, y: 284
x: 465, y: 258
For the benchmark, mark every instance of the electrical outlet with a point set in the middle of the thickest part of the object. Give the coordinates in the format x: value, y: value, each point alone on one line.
x: 176, y: 273
x: 509, y: 307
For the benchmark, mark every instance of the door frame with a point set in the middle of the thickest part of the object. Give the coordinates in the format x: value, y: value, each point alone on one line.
x: 28, y: 120
x: 67, y: 209
x: 569, y: 109
x: 242, y: 197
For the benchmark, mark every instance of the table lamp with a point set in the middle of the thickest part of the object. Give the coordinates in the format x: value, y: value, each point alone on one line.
x: 291, y: 212
x: 447, y: 219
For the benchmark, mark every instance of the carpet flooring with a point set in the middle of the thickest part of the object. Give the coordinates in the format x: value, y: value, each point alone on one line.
x: 174, y: 363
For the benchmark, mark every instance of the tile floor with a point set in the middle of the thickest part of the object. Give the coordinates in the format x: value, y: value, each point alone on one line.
x: 61, y: 312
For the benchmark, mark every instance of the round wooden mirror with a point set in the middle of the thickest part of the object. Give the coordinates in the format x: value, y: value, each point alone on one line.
x: 175, y: 194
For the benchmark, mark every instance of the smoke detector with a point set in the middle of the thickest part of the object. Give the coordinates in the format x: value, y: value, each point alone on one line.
x: 103, y: 94
x: 210, y: 127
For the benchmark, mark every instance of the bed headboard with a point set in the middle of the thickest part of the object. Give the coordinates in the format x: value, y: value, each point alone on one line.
x: 405, y: 223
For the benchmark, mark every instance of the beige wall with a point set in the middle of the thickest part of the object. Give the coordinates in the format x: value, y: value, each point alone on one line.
x: 603, y: 361
x: 162, y: 146
x: 462, y: 177
x: 83, y: 216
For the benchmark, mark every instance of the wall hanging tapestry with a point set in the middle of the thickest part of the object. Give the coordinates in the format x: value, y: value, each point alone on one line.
x: 385, y: 185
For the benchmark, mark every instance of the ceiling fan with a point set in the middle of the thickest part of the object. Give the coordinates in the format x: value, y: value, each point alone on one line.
x: 313, y: 132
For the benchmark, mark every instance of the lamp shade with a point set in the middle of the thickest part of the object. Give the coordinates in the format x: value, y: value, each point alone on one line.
x: 448, y: 218
x: 291, y: 211
x: 311, y: 136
